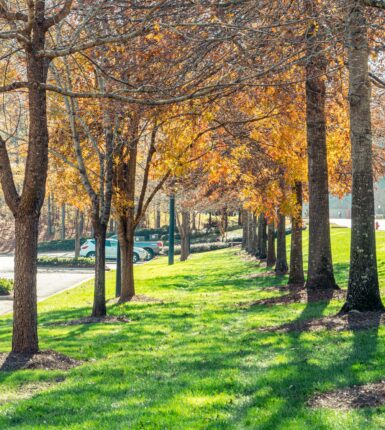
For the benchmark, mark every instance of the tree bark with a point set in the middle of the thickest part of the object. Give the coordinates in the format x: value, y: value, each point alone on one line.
x: 320, y: 267
x: 363, y: 289
x: 281, y: 266
x: 185, y: 236
x: 271, y: 258
x: 49, y: 217
x: 25, y: 338
x: 126, y: 239
x: 262, y: 237
x: 77, y: 234
x: 254, y: 235
x: 296, y: 276
x: 99, y: 307
x: 63, y: 222
x: 157, y: 217
x: 245, y: 228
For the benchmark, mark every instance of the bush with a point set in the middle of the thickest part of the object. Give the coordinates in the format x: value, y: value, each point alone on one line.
x: 200, y: 247
x: 58, y: 245
x: 6, y: 286
x: 66, y: 262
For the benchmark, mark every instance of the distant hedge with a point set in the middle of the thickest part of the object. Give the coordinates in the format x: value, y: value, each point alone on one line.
x: 66, y: 262
x: 200, y: 247
x: 6, y: 286
x: 58, y: 245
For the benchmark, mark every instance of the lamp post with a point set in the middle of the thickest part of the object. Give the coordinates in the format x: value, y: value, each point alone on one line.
x: 171, y: 231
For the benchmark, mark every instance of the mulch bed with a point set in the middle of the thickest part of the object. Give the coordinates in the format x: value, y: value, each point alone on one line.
x: 357, y: 396
x: 47, y: 360
x: 354, y: 320
x: 108, y: 319
x: 300, y: 295
x: 139, y: 298
x: 266, y: 274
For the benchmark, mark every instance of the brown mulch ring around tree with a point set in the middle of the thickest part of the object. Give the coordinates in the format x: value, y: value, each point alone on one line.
x: 47, y: 360
x: 354, y: 320
x: 299, y: 295
x: 139, y: 298
x: 358, y: 396
x: 258, y: 275
x: 108, y: 319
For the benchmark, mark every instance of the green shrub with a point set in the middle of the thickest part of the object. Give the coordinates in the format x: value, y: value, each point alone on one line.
x: 200, y: 247
x: 6, y: 286
x: 58, y: 245
x: 66, y: 262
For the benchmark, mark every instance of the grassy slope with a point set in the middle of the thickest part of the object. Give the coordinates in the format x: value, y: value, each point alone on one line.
x: 196, y: 361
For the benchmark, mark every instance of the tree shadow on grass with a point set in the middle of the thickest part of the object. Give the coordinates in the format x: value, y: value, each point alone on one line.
x: 306, y: 373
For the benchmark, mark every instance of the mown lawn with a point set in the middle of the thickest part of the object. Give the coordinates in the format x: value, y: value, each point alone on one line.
x: 195, y: 361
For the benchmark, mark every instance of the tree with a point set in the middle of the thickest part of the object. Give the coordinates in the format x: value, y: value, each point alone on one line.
x: 320, y: 266
x: 363, y: 288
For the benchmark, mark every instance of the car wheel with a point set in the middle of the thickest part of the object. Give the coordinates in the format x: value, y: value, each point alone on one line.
x: 135, y: 258
x: 91, y: 254
x: 151, y: 253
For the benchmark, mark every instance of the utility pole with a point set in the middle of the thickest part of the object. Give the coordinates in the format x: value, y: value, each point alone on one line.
x: 171, y: 232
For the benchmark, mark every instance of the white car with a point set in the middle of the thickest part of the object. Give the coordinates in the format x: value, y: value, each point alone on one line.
x: 88, y: 250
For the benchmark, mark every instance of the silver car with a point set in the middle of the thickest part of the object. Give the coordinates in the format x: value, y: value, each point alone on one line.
x: 88, y: 250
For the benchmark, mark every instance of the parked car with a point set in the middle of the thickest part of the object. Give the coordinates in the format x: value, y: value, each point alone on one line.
x: 152, y: 247
x: 88, y: 250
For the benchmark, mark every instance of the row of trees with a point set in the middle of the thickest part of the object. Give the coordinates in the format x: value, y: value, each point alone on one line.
x: 245, y: 102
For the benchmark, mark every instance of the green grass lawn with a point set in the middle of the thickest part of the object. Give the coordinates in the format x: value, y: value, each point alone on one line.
x: 195, y: 361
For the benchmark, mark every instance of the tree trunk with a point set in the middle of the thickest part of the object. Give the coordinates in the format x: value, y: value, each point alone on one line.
x: 262, y: 237
x: 26, y: 209
x: 281, y: 267
x: 320, y: 267
x: 126, y: 239
x: 245, y: 225
x: 363, y: 289
x: 296, y: 276
x: 25, y: 338
x: 254, y: 235
x: 185, y: 236
x: 49, y: 217
x: 63, y: 222
x: 157, y: 216
x: 77, y: 234
x: 271, y: 259
x: 99, y: 308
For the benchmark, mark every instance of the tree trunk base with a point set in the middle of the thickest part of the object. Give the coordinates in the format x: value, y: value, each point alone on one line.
x: 366, y: 306
x: 322, y: 282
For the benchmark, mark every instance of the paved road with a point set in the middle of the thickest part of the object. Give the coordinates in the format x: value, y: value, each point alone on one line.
x: 49, y: 280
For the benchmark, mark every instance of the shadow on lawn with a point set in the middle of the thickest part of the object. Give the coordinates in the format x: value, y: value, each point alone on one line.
x: 306, y: 373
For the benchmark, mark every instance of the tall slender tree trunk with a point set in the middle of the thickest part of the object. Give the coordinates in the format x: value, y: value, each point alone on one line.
x: 271, y: 258
x: 254, y: 235
x: 296, y: 276
x: 363, y: 289
x: 157, y: 216
x: 185, y: 236
x: 27, y: 208
x: 320, y: 267
x: 77, y: 233
x: 99, y: 308
x: 262, y: 237
x: 49, y: 217
x: 126, y: 239
x: 245, y: 227
x: 63, y: 222
x: 281, y: 267
x: 25, y: 338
